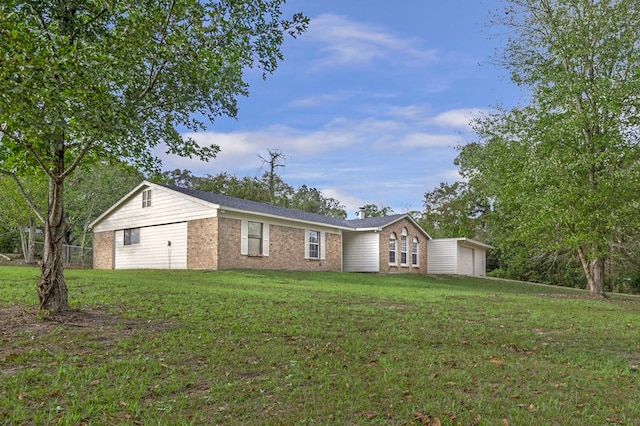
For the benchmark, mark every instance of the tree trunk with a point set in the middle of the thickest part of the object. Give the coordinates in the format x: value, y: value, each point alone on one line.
x: 594, y: 271
x: 52, y: 290
x: 31, y: 243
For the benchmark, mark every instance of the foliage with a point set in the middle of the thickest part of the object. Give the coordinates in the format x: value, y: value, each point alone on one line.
x: 94, y: 80
x: 269, y: 188
x: 266, y: 347
x: 453, y: 210
x: 374, y: 210
x: 563, y: 173
x: 90, y: 192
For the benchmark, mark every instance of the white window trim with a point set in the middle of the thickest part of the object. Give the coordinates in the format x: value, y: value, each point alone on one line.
x: 244, y: 238
x: 321, y: 247
x: 417, y: 253
x: 393, y: 237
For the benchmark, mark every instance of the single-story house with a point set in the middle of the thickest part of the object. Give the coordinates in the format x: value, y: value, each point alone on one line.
x: 160, y: 226
x: 458, y: 256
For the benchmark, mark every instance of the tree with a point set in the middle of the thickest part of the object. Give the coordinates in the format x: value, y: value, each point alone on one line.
x: 453, y: 210
x: 374, y: 210
x: 89, y: 80
x: 313, y: 201
x: 91, y: 191
x: 24, y: 202
x: 563, y: 173
x: 275, y: 156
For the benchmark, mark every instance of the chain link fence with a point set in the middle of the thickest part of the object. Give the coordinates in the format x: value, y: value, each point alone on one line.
x: 75, y: 256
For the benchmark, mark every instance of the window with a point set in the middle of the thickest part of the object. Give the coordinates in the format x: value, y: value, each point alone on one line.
x: 131, y: 236
x: 314, y: 244
x: 255, y: 238
x: 392, y: 249
x: 414, y: 252
x: 146, y: 198
x: 403, y: 247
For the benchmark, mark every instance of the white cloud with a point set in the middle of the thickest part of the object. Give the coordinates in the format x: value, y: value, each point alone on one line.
x: 427, y: 140
x: 346, y: 42
x: 460, y: 118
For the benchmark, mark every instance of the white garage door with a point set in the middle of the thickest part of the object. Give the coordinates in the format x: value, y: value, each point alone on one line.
x: 158, y: 247
x: 466, y: 261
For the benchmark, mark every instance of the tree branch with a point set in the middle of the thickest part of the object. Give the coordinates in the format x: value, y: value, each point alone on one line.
x: 24, y: 194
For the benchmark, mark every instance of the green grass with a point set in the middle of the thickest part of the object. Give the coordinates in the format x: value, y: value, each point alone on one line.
x: 283, y: 348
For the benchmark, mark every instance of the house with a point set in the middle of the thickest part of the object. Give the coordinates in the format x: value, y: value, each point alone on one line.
x: 159, y: 226
x: 459, y: 256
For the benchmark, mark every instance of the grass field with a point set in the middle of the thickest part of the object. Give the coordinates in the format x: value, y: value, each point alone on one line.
x: 285, y: 348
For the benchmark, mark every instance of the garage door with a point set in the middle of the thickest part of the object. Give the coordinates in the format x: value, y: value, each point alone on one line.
x: 465, y: 266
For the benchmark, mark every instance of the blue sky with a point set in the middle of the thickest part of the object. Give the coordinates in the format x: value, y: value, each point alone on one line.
x: 370, y: 103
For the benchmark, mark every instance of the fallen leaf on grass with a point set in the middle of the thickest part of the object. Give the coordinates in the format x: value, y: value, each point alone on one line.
x: 94, y: 382
x: 422, y: 418
x: 497, y: 362
x: 505, y: 422
x: 368, y: 414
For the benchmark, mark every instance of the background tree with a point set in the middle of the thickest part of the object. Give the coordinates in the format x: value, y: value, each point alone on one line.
x: 84, y: 80
x: 453, y: 210
x: 24, y: 202
x: 374, y: 210
x: 312, y: 200
x: 89, y: 192
x: 563, y: 173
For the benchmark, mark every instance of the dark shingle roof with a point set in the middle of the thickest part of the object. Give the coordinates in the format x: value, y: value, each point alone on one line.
x: 269, y: 209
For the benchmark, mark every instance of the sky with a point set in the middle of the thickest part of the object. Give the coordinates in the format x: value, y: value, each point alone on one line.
x: 370, y: 103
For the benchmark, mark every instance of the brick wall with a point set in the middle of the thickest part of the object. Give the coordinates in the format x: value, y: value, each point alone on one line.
x: 413, y: 231
x: 103, y: 250
x: 286, y: 250
x: 202, y: 243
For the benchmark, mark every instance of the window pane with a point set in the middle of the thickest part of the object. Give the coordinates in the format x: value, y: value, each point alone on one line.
x: 127, y: 237
x: 313, y: 237
x: 255, y: 229
x: 135, y: 236
x: 255, y: 246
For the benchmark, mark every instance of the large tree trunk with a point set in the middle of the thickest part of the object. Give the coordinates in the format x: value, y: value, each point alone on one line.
x: 52, y: 290
x: 594, y: 271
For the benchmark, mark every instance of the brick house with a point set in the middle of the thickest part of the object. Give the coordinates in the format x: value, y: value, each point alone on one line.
x: 159, y: 226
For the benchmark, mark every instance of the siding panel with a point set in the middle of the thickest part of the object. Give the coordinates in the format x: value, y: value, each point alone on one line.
x: 153, y: 251
x: 361, y: 252
x: 442, y: 256
x: 166, y: 207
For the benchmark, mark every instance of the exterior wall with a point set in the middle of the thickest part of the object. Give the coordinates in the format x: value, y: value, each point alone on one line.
x: 153, y: 251
x: 457, y: 256
x: 443, y: 257
x: 202, y: 243
x: 480, y: 266
x: 413, y: 231
x: 103, y: 250
x: 286, y: 249
x: 361, y: 251
x: 166, y: 207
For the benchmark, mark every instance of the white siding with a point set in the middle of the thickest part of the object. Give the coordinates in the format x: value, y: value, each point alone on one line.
x: 153, y: 251
x: 360, y: 252
x: 442, y: 256
x: 480, y: 267
x: 465, y: 261
x: 166, y: 207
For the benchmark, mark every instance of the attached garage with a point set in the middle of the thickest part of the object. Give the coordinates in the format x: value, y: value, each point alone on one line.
x: 457, y: 256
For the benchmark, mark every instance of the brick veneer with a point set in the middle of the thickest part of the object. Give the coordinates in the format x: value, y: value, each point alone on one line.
x: 202, y: 243
x: 286, y: 250
x: 413, y: 231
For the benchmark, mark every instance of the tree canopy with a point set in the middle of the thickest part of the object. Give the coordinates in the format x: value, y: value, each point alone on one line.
x: 563, y: 173
x: 89, y: 80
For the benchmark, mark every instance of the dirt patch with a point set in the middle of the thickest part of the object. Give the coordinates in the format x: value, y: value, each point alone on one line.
x: 74, y: 331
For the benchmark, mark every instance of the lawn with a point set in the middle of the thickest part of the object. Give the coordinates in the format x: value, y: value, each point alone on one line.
x: 285, y: 348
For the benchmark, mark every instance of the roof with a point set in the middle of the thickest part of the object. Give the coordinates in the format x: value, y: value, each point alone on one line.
x: 239, y: 204
x: 465, y: 240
